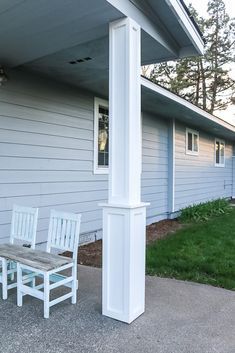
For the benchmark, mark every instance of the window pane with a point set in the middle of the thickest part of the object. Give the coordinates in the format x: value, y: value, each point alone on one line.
x: 106, y: 159
x: 190, y: 141
x: 217, y: 147
x: 100, y: 158
x: 221, y: 152
x: 103, y: 137
x: 195, y: 147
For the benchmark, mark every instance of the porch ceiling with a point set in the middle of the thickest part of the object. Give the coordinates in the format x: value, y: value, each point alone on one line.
x: 33, y: 29
x: 91, y: 75
x: 45, y: 35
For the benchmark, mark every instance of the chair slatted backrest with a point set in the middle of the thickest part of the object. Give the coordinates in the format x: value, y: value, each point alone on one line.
x: 64, y: 230
x: 24, y: 225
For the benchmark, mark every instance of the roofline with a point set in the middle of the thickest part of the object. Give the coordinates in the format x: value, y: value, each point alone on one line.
x: 174, y: 97
x: 135, y: 10
x: 130, y: 9
x: 193, y: 20
x: 189, y: 25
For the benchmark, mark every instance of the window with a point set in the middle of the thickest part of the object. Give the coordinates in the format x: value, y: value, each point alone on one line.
x: 219, y: 153
x: 101, y: 136
x: 192, y: 142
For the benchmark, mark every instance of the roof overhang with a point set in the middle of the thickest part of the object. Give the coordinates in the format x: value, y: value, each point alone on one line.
x: 189, y: 26
x: 167, y: 22
x: 161, y: 102
x: 35, y: 29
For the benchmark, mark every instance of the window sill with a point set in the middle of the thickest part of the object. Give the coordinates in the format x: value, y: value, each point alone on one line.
x: 101, y: 171
x: 191, y: 153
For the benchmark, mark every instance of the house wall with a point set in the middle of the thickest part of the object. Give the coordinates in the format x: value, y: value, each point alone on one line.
x: 46, y: 152
x: 197, y: 179
x: 155, y: 167
x: 233, y: 176
x: 46, y: 155
x: 46, y: 158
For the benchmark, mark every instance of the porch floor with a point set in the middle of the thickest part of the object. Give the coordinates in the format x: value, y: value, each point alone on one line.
x: 180, y: 317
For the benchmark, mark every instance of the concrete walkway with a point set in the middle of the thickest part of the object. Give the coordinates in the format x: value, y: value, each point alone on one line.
x: 180, y: 317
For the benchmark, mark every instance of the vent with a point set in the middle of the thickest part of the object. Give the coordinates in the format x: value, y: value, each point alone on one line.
x: 81, y: 60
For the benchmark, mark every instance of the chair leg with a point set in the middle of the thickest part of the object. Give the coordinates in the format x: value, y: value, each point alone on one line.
x: 46, y: 296
x: 33, y: 282
x: 19, y: 284
x: 12, y: 275
x: 4, y: 279
x: 74, y: 284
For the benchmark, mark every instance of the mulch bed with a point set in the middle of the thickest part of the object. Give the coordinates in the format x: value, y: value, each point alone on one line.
x: 91, y: 254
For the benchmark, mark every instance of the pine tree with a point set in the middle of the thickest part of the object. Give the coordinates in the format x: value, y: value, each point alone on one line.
x: 205, y: 81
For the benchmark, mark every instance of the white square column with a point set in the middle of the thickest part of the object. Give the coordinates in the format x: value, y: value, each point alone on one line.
x: 124, y: 217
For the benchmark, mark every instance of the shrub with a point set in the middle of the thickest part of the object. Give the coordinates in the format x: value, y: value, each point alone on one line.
x: 204, y: 211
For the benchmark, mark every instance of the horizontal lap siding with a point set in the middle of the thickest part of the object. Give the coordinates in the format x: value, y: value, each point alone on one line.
x: 196, y: 177
x: 155, y: 167
x: 46, y: 158
x: 46, y: 153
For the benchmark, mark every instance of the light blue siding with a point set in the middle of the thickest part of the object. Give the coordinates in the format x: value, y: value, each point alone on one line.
x: 155, y: 167
x: 197, y: 179
x: 46, y: 155
x: 46, y: 158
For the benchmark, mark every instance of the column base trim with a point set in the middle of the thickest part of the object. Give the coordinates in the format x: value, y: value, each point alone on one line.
x: 123, y: 272
x: 128, y: 319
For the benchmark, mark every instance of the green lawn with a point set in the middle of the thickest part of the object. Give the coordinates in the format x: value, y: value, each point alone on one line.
x: 203, y: 252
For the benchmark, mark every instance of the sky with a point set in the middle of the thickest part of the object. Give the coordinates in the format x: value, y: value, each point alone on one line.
x: 201, y: 7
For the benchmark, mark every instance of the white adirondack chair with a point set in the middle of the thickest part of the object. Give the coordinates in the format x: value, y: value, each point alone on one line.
x: 23, y: 229
x: 63, y: 234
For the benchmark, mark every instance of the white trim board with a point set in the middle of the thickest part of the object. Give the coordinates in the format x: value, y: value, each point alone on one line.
x: 147, y: 19
x: 97, y: 103
x: 129, y: 9
x: 193, y: 132
x: 188, y: 26
x: 219, y: 165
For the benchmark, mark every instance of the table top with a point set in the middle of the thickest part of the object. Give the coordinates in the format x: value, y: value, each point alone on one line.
x: 37, y: 259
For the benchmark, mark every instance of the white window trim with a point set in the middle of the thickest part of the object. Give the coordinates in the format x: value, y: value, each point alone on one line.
x: 193, y: 153
x: 141, y: 142
x: 97, y: 103
x: 105, y: 103
x: 219, y: 165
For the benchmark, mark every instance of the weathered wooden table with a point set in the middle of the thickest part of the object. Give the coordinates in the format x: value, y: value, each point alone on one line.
x: 38, y: 259
x: 37, y: 263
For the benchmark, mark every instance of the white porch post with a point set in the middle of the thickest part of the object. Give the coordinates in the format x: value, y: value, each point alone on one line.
x: 124, y: 217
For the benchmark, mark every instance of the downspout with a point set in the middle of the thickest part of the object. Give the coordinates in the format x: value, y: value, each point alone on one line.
x: 171, y: 169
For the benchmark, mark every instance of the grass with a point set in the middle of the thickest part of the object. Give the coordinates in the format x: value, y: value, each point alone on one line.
x: 203, y: 252
x: 204, y: 211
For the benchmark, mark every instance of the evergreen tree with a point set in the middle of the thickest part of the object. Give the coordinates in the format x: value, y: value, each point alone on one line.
x: 205, y: 81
